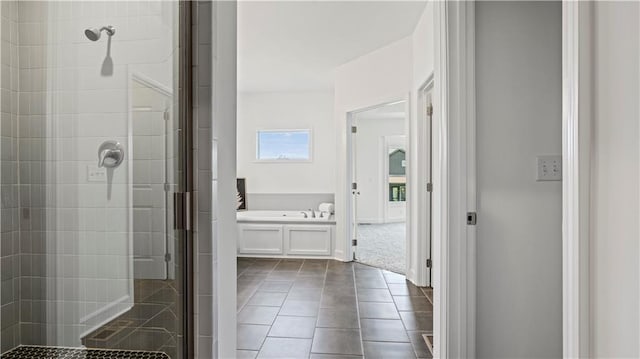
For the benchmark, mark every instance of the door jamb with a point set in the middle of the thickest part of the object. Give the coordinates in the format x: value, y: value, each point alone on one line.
x: 576, y: 135
x: 454, y: 177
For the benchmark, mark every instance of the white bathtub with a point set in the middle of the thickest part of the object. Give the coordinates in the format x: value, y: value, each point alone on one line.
x: 283, y: 217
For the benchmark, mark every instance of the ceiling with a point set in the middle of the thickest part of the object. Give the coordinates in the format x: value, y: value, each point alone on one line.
x: 296, y: 45
x: 395, y: 110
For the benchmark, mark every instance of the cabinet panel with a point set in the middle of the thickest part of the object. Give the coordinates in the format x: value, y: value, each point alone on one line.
x: 308, y: 240
x: 260, y: 239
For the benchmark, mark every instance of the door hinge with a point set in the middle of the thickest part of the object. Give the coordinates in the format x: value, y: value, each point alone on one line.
x: 472, y: 218
x: 167, y: 257
x: 354, y: 242
x: 430, y: 110
x: 354, y: 129
x: 429, y: 187
x: 429, y: 263
x: 354, y: 186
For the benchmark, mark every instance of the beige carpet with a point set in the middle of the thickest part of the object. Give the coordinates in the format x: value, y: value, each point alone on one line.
x: 382, y: 246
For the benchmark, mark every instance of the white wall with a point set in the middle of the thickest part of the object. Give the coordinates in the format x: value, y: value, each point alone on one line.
x: 519, y: 234
x: 224, y: 159
x: 287, y: 111
x: 370, y: 165
x: 615, y: 179
x: 422, y: 44
x: 423, y: 53
x: 376, y: 78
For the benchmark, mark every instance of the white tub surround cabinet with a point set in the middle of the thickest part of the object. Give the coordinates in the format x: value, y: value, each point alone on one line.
x: 278, y: 236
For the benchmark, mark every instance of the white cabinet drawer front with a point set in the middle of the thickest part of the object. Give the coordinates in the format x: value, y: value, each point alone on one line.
x: 308, y: 240
x: 260, y: 239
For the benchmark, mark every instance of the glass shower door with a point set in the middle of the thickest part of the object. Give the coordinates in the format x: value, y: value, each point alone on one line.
x: 93, y: 150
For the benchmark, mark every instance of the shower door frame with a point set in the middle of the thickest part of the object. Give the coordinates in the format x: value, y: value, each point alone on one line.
x: 183, y: 212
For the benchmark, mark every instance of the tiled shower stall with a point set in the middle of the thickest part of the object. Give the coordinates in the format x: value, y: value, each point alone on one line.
x: 88, y: 254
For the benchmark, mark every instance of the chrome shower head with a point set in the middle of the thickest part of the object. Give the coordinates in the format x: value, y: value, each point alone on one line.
x: 94, y: 33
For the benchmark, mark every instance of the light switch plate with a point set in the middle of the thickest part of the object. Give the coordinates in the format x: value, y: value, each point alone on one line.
x: 96, y: 174
x: 549, y: 168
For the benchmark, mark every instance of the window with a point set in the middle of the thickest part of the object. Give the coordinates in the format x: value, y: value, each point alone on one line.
x: 397, y: 192
x: 283, y: 145
x: 397, y: 175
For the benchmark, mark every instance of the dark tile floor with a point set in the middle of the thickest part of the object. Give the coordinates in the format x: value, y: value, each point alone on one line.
x: 149, y: 325
x: 324, y: 309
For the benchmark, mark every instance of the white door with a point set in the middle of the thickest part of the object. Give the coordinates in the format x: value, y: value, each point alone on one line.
x: 428, y: 119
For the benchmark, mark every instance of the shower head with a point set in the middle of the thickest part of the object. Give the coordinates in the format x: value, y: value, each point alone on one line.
x: 93, y: 33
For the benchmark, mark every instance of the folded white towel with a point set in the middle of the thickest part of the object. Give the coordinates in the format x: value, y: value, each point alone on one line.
x: 326, y: 207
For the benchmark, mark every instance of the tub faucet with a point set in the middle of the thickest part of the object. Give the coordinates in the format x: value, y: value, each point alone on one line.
x: 313, y: 213
x: 304, y: 214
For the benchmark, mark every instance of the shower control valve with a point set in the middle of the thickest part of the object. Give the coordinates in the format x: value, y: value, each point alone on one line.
x: 110, y: 154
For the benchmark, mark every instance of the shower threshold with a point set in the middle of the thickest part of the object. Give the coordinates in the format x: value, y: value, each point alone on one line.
x: 42, y: 352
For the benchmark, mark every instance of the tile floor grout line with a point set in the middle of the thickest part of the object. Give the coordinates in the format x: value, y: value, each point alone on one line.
x: 165, y: 307
x: 355, y: 285
x: 415, y: 352
x: 315, y: 328
x: 252, y: 294
x: 258, y: 287
x: 324, y: 282
x: 141, y: 326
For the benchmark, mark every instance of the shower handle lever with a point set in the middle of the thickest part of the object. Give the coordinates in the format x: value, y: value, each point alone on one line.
x: 110, y: 154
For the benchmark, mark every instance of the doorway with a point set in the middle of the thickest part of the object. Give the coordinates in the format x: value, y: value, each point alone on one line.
x: 379, y: 186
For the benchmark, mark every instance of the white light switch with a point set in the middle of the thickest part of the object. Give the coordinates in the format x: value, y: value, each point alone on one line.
x: 549, y: 168
x: 96, y: 174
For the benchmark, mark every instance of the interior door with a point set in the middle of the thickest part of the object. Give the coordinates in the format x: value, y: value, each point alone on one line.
x: 428, y: 111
